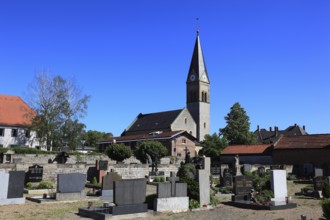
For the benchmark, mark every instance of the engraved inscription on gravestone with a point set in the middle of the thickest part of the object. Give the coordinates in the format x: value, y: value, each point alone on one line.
x: 35, y: 173
x: 103, y: 165
x: 242, y: 185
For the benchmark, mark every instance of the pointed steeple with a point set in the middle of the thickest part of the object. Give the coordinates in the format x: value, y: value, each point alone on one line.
x: 197, y: 70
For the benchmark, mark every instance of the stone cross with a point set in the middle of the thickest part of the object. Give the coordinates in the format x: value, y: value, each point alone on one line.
x: 173, y: 179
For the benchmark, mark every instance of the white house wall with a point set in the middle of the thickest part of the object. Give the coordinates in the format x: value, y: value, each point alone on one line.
x: 21, y: 140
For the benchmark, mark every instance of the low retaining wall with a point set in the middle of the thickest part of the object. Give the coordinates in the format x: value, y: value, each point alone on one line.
x: 127, y: 171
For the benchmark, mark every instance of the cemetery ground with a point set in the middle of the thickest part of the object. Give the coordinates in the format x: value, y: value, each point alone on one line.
x: 68, y: 210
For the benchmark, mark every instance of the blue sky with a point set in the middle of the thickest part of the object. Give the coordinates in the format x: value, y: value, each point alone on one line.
x: 273, y: 57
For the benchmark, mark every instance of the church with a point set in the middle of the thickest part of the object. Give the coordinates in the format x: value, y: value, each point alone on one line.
x: 179, y: 130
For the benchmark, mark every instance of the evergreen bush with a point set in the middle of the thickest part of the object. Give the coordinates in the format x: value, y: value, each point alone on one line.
x: 326, y: 208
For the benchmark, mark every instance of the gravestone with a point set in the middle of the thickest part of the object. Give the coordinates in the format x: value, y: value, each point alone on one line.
x: 242, y: 185
x: 35, y: 173
x: 318, y: 172
x: 279, y: 187
x: 207, y: 164
x: 261, y: 171
x: 101, y: 169
x: 107, y: 185
x: 227, y: 179
x: 129, y: 196
x: 4, y: 180
x: 204, y: 187
x: 319, y: 182
x: 70, y: 186
x: 166, y: 201
x: 247, y: 167
x: 172, y: 180
x: 12, y: 187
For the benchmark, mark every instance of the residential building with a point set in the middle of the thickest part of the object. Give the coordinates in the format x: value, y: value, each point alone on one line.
x: 15, y: 121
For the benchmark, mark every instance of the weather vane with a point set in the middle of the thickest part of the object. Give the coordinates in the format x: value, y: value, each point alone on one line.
x: 197, y: 25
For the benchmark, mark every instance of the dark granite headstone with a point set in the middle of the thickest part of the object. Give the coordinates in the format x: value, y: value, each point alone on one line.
x: 180, y: 189
x: 227, y: 180
x: 319, y: 182
x: 103, y: 165
x: 35, y: 173
x: 164, y: 190
x: 16, y: 184
x: 71, y: 183
x: 242, y: 185
x: 130, y: 191
x: 261, y: 171
x: 107, y: 180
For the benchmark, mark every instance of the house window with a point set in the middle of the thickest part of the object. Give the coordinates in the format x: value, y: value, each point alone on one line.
x: 183, y: 141
x: 2, y: 132
x: 27, y: 134
x: 14, y: 132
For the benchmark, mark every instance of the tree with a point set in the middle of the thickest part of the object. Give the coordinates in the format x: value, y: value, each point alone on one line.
x: 91, y: 137
x: 118, y: 152
x: 237, y: 130
x: 154, y: 149
x: 58, y: 104
x: 213, y: 145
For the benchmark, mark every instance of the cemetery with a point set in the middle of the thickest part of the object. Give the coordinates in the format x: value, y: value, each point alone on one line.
x: 183, y: 187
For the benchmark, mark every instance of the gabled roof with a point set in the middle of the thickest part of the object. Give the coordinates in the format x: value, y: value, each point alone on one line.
x: 144, y: 137
x: 14, y: 111
x: 270, y: 136
x: 154, y: 121
x: 317, y: 141
x: 246, y: 149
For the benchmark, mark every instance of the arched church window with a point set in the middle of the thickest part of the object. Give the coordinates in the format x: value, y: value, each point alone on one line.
x: 204, y: 125
x: 185, y: 120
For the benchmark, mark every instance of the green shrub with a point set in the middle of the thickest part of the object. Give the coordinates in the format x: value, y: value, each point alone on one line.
x: 118, y: 152
x: 159, y: 179
x: 94, y: 182
x: 326, y: 208
x: 193, y: 204
x: 187, y: 173
x: 155, y: 149
x: 45, y: 185
x: 225, y: 190
x: 214, y: 201
x: 29, y: 185
x: 326, y: 190
x: 264, y: 196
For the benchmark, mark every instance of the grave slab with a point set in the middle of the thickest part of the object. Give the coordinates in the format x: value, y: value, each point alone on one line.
x: 173, y: 204
x: 129, y: 209
x: 130, y: 191
x: 107, y: 195
x: 16, y: 184
x: 204, y: 187
x: 71, y: 183
x: 70, y: 196
x: 4, y: 180
x: 279, y: 185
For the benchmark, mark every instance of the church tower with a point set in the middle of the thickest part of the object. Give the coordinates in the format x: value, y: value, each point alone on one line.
x: 198, y: 91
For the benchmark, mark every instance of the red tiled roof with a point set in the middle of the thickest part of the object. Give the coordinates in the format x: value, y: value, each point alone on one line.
x: 304, y: 142
x: 140, y: 137
x: 246, y: 149
x: 14, y: 111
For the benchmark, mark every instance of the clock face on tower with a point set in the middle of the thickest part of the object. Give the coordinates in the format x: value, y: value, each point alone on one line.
x: 192, y: 77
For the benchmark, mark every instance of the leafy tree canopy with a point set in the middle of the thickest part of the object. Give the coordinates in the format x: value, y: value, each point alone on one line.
x: 91, y: 137
x: 155, y: 149
x: 213, y: 145
x: 58, y: 104
x: 118, y: 152
x: 237, y: 130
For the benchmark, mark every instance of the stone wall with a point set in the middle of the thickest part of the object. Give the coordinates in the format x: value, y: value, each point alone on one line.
x: 44, y: 158
x: 127, y: 171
